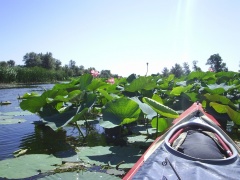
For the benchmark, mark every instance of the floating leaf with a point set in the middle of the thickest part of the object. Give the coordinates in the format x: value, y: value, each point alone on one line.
x: 10, y: 120
x: 142, y: 129
x: 27, y: 166
x: 160, y: 108
x: 112, y: 155
x: 138, y: 140
x: 83, y: 175
x: 17, y: 113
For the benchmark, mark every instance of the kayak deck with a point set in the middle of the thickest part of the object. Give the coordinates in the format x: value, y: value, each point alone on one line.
x: 163, y: 161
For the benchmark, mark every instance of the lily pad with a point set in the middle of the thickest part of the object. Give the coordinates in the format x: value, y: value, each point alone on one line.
x: 139, y: 140
x: 10, y: 120
x: 17, y: 113
x: 110, y: 155
x: 81, y: 175
x: 28, y: 165
x: 141, y: 129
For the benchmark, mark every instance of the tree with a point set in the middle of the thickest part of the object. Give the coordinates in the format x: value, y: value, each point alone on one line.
x: 58, y: 64
x: 186, y: 69
x: 105, y: 74
x: 72, y: 64
x: 177, y: 70
x: 216, y: 63
x: 48, y: 62
x: 195, y: 67
x: 3, y: 64
x: 165, y: 72
x: 11, y: 63
x: 81, y: 69
x: 32, y: 59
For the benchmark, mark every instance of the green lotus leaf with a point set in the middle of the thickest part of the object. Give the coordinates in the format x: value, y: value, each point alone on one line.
x: 97, y: 83
x: 28, y: 165
x: 218, y: 88
x: 160, y: 123
x: 141, y: 83
x: 112, y: 155
x: 62, y: 119
x: 105, y: 94
x: 34, y: 104
x: 157, y: 98
x: 160, y: 108
x: 220, y: 108
x: 196, y: 74
x: 180, y: 89
x: 84, y: 81
x: 71, y: 96
x: 146, y: 109
x: 192, y: 96
x: 229, y: 74
x: 170, y: 78
x: 118, y: 112
x: 219, y: 98
x: 28, y: 95
x: 83, y: 175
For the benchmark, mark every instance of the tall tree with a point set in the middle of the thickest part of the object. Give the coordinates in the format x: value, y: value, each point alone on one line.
x: 11, y: 63
x: 3, y: 64
x: 72, y: 64
x: 177, y: 70
x: 165, y: 72
x: 58, y: 64
x: 195, y: 67
x: 48, y: 62
x: 186, y: 69
x: 105, y: 74
x: 216, y: 63
x: 32, y: 59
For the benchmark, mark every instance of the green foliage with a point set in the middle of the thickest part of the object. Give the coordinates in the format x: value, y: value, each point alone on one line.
x: 160, y: 108
x: 135, y: 99
x: 120, y: 111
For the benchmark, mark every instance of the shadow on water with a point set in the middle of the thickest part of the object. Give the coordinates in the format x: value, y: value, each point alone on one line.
x: 37, y: 139
x: 45, y: 141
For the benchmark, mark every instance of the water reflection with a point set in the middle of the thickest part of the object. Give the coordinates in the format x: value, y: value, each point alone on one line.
x: 39, y: 139
x: 44, y: 141
x: 11, y: 135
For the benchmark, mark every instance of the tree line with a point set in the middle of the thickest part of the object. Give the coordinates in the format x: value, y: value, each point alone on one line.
x: 39, y: 67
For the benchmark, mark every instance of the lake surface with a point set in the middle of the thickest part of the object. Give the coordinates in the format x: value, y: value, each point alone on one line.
x: 25, y: 135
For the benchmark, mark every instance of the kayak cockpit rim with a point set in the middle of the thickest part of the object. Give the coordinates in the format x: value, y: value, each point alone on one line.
x: 199, y: 122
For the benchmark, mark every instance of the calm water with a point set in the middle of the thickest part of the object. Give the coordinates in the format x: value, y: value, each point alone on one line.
x: 37, y: 139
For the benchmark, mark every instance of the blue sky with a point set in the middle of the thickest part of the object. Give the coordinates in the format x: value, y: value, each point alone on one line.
x: 122, y: 35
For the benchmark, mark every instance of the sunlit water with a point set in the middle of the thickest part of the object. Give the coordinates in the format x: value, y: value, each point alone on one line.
x: 26, y: 135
